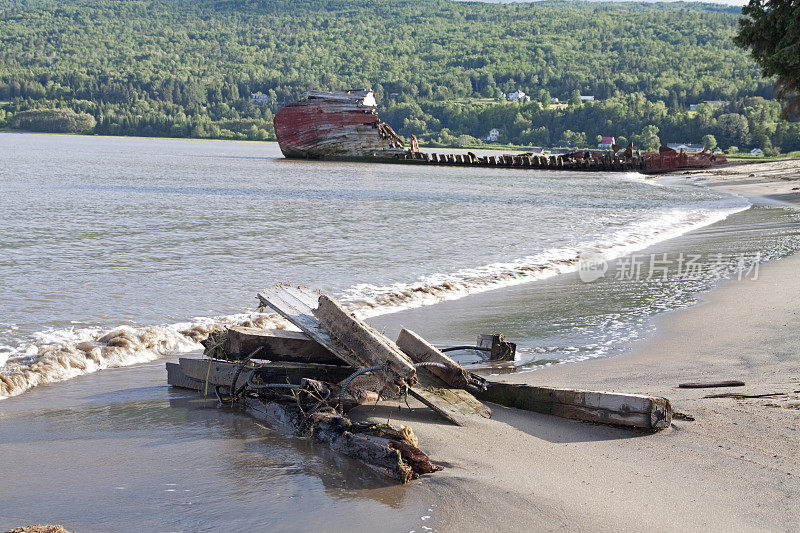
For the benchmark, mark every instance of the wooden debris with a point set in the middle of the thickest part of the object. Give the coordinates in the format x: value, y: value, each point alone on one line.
x: 635, y: 410
x: 390, y: 451
x: 500, y: 349
x: 298, y: 305
x: 711, y: 384
x: 739, y: 395
x: 421, y: 351
x: 370, y: 347
x: 236, y: 343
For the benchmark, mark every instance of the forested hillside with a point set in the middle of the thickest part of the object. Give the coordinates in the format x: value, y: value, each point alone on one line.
x: 188, y: 68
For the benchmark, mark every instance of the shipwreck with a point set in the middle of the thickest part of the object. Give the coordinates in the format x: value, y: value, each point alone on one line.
x: 336, y: 125
x: 344, y: 125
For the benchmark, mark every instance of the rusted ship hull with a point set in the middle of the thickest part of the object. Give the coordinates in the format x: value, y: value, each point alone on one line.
x: 667, y: 160
x: 340, y: 125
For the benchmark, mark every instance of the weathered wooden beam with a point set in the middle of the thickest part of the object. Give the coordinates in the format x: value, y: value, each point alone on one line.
x: 421, y: 351
x: 635, y: 410
x: 445, y: 386
x: 222, y: 373
x: 368, y: 345
x: 277, y: 345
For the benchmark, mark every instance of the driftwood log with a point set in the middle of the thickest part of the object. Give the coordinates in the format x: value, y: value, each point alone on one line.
x: 390, y: 451
x: 711, y: 384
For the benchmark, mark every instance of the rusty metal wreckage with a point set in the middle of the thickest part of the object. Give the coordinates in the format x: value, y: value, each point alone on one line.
x: 345, y: 126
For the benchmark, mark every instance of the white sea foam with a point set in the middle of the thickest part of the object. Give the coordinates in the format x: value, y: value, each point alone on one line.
x: 65, y: 353
x: 372, y: 300
x: 62, y: 354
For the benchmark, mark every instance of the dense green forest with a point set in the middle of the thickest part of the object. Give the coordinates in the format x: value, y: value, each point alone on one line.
x: 187, y: 68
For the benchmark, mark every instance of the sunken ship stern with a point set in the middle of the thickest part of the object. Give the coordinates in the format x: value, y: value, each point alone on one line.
x: 336, y: 125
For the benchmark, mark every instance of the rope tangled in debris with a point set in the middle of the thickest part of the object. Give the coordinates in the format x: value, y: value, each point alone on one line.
x: 353, y: 376
x: 235, y: 393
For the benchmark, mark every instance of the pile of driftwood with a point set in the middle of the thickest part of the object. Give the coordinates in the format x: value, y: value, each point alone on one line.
x: 306, y: 381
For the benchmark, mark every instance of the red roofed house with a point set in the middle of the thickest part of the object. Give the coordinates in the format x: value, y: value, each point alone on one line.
x: 605, y: 143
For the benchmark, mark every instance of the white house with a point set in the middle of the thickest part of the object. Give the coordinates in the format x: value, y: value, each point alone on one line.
x: 587, y: 98
x: 259, y: 98
x: 688, y: 148
x: 757, y: 151
x: 554, y: 101
x: 494, y: 133
x: 519, y: 95
x: 606, y: 143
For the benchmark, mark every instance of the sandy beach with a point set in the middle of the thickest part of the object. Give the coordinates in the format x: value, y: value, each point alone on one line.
x: 734, y: 467
x: 774, y: 180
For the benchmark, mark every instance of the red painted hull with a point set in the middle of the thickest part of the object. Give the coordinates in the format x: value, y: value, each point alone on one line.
x: 335, y: 126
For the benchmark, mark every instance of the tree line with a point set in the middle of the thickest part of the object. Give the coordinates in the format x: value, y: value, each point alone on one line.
x: 185, y: 68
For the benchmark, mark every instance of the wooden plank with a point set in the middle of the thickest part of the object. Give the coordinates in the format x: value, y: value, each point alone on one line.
x: 277, y: 345
x: 456, y: 405
x: 421, y: 351
x: 636, y: 410
x: 222, y: 372
x: 301, y: 315
x: 177, y: 378
x: 500, y: 349
x: 368, y: 345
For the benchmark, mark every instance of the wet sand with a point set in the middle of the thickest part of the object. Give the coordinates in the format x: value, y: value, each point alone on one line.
x: 735, y: 467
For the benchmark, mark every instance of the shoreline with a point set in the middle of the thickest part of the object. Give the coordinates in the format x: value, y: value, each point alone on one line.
x: 522, y: 471
x: 775, y: 181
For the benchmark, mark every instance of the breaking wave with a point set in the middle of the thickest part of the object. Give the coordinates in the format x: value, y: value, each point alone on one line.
x: 372, y: 300
x: 62, y: 354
